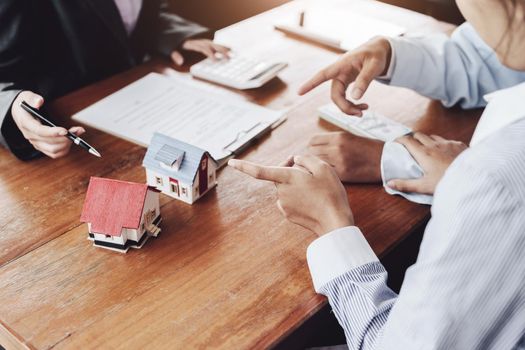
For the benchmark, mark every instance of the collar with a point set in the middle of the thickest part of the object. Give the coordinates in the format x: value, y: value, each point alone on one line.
x: 504, y: 108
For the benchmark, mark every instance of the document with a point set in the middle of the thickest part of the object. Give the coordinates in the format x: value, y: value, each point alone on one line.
x: 339, y: 28
x: 217, y: 123
x: 372, y: 125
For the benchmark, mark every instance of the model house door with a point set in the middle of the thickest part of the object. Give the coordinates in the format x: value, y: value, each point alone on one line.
x: 203, y: 175
x: 174, y: 186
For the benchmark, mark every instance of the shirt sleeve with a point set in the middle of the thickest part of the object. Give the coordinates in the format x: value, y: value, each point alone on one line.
x: 339, y: 251
x: 451, y: 298
x: 460, y: 69
x: 398, y: 163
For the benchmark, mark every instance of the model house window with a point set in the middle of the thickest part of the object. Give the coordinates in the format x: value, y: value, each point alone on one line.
x: 211, y: 178
x: 108, y: 236
x: 203, y: 164
x: 159, y: 180
x: 184, y: 192
x: 174, y: 188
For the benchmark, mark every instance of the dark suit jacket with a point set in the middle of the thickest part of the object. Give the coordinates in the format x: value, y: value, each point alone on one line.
x: 52, y: 47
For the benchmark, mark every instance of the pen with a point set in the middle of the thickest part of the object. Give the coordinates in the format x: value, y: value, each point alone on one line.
x: 76, y: 140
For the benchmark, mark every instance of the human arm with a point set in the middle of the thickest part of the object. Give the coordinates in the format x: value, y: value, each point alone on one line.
x: 444, y: 291
x: 177, y: 34
x: 460, y: 69
x: 20, y: 132
x: 448, y: 289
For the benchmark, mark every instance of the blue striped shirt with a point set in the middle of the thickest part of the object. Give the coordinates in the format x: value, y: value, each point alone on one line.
x: 467, y: 288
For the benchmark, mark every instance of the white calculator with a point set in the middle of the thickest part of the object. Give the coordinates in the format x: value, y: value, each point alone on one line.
x: 372, y: 125
x: 238, y: 72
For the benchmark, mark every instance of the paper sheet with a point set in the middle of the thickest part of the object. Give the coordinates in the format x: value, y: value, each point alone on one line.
x: 214, y: 122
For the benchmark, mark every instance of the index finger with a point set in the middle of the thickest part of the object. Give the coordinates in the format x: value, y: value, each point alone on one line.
x: 321, y: 76
x: 35, y: 127
x: 268, y: 173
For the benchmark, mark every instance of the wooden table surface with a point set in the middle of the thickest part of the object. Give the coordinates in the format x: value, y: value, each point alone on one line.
x: 227, y: 272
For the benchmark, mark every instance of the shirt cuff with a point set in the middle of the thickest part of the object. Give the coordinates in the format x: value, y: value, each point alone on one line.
x: 398, y: 163
x: 336, y: 253
x: 386, y: 77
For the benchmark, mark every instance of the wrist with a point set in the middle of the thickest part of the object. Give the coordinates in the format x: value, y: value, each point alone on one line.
x: 386, y: 49
x: 334, y: 221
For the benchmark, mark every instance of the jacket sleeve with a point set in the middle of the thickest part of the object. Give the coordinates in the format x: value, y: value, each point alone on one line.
x: 14, y: 32
x: 456, y: 70
x: 174, y: 30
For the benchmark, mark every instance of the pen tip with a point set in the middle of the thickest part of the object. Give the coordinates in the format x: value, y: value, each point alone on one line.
x: 94, y: 152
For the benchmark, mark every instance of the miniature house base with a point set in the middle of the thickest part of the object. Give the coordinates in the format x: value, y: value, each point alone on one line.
x: 125, y: 241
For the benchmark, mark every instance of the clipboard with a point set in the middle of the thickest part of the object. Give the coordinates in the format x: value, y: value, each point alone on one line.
x: 176, y: 107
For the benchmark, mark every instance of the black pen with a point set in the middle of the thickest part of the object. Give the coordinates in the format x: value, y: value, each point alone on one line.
x: 76, y: 140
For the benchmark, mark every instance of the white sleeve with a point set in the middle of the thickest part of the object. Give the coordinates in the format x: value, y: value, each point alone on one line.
x: 397, y: 163
x: 336, y: 253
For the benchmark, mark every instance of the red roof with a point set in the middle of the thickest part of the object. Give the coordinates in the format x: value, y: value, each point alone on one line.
x: 111, y: 205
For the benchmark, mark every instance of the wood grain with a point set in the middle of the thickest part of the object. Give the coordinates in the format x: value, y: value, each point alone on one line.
x: 227, y: 272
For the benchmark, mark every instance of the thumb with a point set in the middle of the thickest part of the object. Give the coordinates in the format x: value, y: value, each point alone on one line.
x: 364, y: 78
x: 177, y: 58
x: 408, y: 185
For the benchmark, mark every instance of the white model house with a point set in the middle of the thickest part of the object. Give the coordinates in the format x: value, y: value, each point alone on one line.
x: 120, y: 214
x: 178, y: 169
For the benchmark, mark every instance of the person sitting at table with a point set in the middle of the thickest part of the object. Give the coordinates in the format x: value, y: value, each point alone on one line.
x: 459, y: 70
x: 467, y: 287
x: 49, y: 48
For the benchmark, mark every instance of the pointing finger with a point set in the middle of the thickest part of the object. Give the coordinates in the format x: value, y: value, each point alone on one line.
x: 268, y: 173
x: 324, y: 75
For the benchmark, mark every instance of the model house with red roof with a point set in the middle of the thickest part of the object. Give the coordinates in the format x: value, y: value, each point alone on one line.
x: 120, y: 214
x: 179, y: 170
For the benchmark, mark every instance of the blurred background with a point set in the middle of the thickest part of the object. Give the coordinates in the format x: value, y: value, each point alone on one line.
x: 216, y: 17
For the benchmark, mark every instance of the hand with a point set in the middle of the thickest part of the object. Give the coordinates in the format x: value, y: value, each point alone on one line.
x: 434, y: 154
x: 354, y: 158
x: 361, y: 65
x: 203, y: 46
x: 49, y: 140
x: 310, y: 193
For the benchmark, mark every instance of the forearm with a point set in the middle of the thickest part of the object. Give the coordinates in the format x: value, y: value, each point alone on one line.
x: 346, y: 270
x: 10, y: 135
x: 361, y: 302
x: 174, y: 30
x: 456, y: 70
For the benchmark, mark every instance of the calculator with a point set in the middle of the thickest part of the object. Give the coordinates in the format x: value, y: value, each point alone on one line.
x: 238, y: 72
x: 372, y: 125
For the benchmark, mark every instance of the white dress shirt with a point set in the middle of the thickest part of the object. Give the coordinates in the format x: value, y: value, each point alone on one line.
x: 467, y: 288
x: 460, y: 70
x: 129, y: 12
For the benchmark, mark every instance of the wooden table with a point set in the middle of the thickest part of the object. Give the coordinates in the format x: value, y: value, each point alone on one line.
x: 227, y: 272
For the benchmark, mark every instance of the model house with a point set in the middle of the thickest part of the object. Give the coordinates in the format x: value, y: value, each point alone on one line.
x: 178, y: 169
x: 120, y: 214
